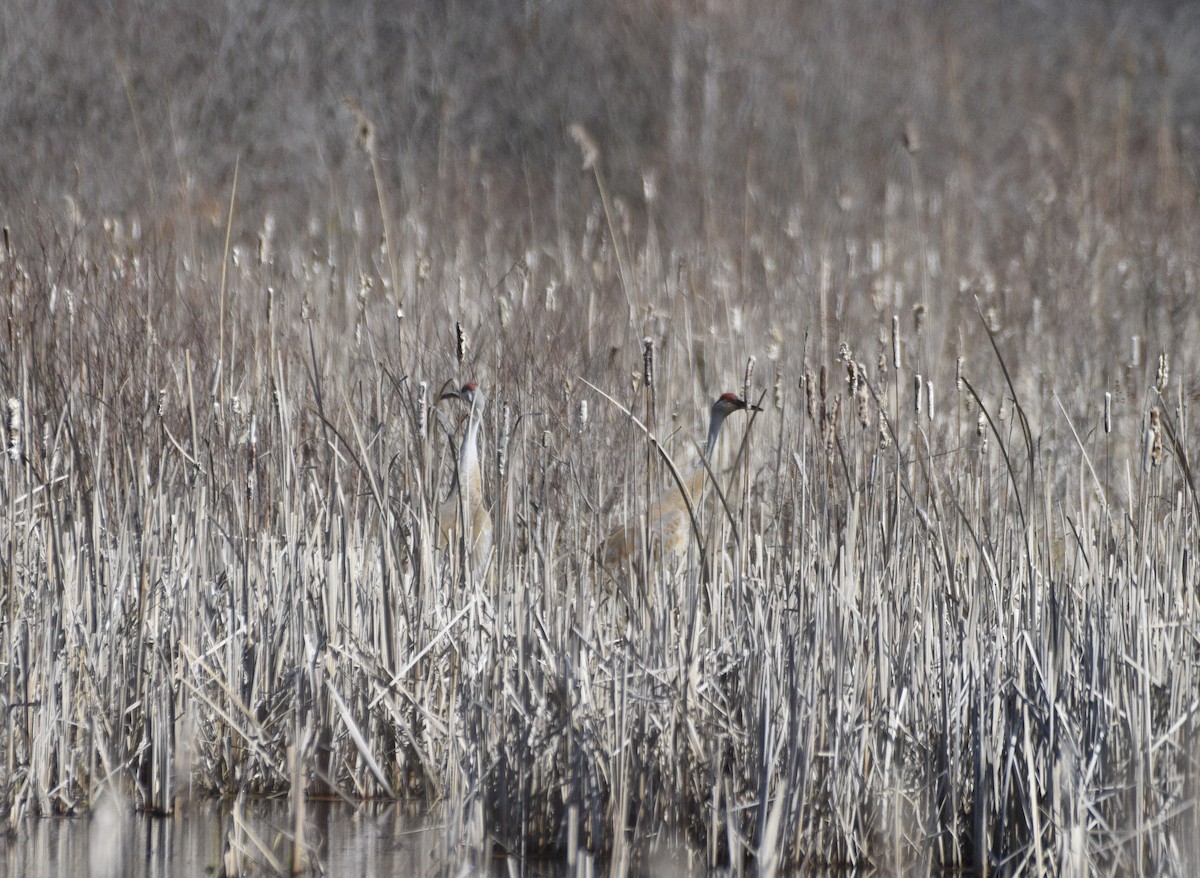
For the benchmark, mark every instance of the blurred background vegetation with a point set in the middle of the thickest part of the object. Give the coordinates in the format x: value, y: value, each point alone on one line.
x: 143, y: 108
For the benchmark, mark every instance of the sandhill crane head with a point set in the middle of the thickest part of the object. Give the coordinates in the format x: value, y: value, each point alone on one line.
x: 470, y: 394
x: 731, y: 402
x: 726, y: 404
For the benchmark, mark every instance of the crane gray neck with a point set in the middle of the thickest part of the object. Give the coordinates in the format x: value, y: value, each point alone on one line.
x: 714, y: 431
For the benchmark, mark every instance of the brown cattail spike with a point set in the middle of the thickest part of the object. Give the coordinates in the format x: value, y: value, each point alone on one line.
x: 1154, y: 443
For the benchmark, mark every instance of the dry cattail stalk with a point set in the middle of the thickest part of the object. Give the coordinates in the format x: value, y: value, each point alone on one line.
x: 423, y: 409
x: 831, y: 424
x: 1154, y: 444
x: 747, y: 382
x: 775, y: 345
x: 502, y: 444
x: 1163, y: 374
x: 588, y: 148
x: 895, y: 341
x: 864, y: 399
x: 252, y: 458
x: 920, y: 312
x: 647, y: 362
x: 364, y: 135
x: 14, y: 428
x: 1107, y: 412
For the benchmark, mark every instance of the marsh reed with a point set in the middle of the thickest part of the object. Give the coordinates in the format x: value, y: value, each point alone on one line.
x: 946, y: 615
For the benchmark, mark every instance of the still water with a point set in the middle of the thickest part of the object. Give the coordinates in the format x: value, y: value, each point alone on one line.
x: 382, y: 839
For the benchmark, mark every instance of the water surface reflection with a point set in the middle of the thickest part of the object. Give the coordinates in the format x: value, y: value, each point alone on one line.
x: 371, y: 839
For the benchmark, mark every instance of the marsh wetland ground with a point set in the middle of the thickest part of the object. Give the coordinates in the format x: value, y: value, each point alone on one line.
x: 939, y: 608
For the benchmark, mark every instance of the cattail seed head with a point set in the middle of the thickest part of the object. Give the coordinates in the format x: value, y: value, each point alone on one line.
x: 918, y: 386
x: 364, y: 134
x: 895, y: 341
x: 920, y: 312
x: 1107, y: 412
x: 832, y: 424
x: 980, y: 425
x: 929, y: 399
x: 583, y: 414
x: 588, y: 148
x: 1136, y: 352
x: 748, y: 381
x: 1163, y: 374
x: 460, y: 342
x: 648, y: 362
x: 423, y: 409
x: 1154, y: 444
x: 864, y: 399
x: 14, y: 428
x: 252, y: 458
x: 810, y: 392
x: 958, y: 376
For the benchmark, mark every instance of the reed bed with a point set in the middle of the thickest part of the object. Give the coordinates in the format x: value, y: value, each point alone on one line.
x: 943, y: 616
x: 960, y: 635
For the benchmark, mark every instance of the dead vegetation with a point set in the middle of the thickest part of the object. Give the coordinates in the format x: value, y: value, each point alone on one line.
x: 945, y: 609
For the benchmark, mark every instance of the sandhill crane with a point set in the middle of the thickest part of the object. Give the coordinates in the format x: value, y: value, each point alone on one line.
x: 670, y: 525
x: 466, y: 497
